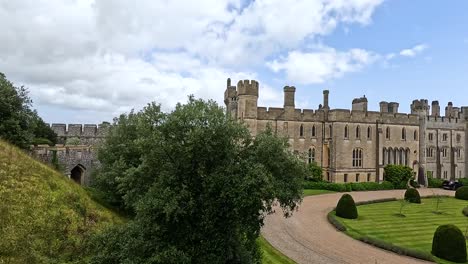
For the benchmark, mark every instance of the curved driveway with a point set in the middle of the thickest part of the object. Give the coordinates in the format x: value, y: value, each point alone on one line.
x: 308, y: 237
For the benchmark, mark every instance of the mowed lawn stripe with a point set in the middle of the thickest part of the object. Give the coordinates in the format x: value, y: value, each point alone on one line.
x: 416, y: 229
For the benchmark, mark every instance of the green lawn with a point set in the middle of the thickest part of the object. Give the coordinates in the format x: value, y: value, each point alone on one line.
x: 414, y: 231
x: 270, y: 255
x: 308, y: 192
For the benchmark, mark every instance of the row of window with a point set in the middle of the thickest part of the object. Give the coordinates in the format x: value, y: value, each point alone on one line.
x: 357, y: 132
x: 357, y: 177
x: 398, y: 156
x: 357, y: 160
x: 444, y: 137
x: 430, y: 152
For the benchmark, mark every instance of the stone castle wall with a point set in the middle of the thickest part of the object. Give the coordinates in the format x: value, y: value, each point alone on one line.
x: 330, y: 137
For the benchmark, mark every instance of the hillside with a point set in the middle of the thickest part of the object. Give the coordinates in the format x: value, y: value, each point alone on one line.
x: 44, y: 217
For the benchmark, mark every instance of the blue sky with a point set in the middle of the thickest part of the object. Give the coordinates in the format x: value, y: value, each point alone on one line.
x: 87, y: 61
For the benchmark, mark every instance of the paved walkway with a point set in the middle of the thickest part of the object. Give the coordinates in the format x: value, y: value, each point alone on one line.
x: 308, y: 237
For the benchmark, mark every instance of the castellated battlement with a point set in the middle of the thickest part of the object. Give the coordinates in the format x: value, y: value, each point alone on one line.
x: 247, y: 87
x: 79, y: 130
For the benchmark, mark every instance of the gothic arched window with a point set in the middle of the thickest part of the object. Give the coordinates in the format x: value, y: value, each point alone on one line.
x: 387, y: 133
x: 346, y: 132
x: 313, y: 131
x: 358, y: 132
x: 403, y: 133
x: 311, y: 155
x: 369, y: 132
x: 301, y: 131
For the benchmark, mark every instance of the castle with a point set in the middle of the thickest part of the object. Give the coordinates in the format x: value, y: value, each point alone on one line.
x: 355, y: 145
x: 75, y: 150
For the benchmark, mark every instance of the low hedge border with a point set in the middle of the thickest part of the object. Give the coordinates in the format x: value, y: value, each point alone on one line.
x: 397, y: 249
x: 348, y: 187
x: 380, y: 243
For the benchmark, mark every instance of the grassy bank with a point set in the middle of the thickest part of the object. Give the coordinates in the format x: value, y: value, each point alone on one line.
x: 44, y: 217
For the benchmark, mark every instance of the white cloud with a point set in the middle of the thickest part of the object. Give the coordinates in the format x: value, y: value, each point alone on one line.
x: 414, y: 50
x: 320, y: 66
x: 112, y: 55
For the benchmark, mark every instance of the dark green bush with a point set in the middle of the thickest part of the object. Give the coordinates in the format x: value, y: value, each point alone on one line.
x: 464, y: 181
x: 337, y: 224
x: 414, y: 184
x: 398, y: 175
x: 412, y: 196
x: 346, y: 208
x: 449, y: 243
x: 465, y: 211
x: 348, y: 187
x: 462, y: 193
x: 434, y: 183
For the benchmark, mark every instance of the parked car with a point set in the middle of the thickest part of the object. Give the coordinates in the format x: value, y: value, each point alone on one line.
x: 451, y: 185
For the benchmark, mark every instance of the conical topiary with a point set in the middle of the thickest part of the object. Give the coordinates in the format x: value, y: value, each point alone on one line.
x: 449, y: 243
x: 346, y: 208
x: 412, y: 196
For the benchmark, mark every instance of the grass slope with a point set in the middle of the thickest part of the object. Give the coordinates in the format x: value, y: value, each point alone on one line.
x: 415, y: 231
x: 44, y: 217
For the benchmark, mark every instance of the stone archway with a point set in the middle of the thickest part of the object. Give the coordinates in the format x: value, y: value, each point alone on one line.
x: 77, y: 173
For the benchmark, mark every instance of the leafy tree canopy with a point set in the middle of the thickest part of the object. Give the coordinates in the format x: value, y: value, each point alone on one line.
x: 19, y: 124
x: 199, y: 185
x: 398, y: 175
x: 315, y: 172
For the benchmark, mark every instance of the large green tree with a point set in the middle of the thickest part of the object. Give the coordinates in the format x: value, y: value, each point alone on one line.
x: 19, y: 124
x: 199, y: 186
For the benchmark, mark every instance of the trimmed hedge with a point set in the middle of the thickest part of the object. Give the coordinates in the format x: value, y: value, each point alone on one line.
x: 348, y: 187
x: 434, y: 183
x: 346, y: 208
x: 449, y: 243
x: 462, y: 193
x: 337, y: 224
x: 412, y: 196
x: 398, y: 175
x: 465, y: 211
x: 396, y: 249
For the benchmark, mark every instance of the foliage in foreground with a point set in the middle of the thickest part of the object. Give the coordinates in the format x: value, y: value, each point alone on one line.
x: 462, y: 193
x: 315, y: 173
x: 198, y: 184
x: 412, y: 196
x: 44, y: 217
x: 398, y: 175
x: 346, y: 208
x: 434, y: 182
x: 449, y: 243
x: 348, y: 187
x: 19, y: 124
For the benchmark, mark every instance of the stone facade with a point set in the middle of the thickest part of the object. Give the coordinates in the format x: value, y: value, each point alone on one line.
x: 355, y: 145
x: 76, y: 160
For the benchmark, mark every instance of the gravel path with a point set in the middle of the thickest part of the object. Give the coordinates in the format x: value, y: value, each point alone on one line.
x: 308, y: 237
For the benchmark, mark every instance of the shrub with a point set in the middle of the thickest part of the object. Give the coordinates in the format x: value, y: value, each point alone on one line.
x: 399, y: 250
x: 462, y: 193
x: 449, y: 243
x: 434, y: 183
x: 314, y: 172
x: 465, y: 211
x: 463, y: 181
x: 414, y: 184
x: 337, y: 224
x: 348, y: 187
x: 346, y: 208
x: 398, y: 175
x: 412, y: 196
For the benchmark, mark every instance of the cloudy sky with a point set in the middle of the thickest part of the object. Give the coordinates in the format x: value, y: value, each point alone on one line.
x: 87, y: 61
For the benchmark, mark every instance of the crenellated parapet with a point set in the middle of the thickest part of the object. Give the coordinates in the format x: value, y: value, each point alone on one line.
x: 87, y: 134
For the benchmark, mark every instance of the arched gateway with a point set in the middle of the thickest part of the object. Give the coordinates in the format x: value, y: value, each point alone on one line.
x: 77, y: 173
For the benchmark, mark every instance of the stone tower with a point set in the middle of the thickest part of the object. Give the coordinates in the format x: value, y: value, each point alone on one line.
x: 247, y: 98
x: 230, y: 99
x: 421, y: 108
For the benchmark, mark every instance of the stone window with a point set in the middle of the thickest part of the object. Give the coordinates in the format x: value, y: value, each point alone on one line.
x: 403, y: 134
x: 346, y: 132
x: 444, y: 152
x: 444, y: 137
x: 314, y: 131
x: 357, y: 177
x: 387, y: 133
x: 301, y: 131
x: 415, y: 135
x: 368, y: 177
x: 345, y: 178
x: 430, y: 152
x: 431, y: 136
x: 445, y: 174
x: 459, y: 152
x: 311, y: 155
x: 357, y: 158
x: 458, y: 138
x: 358, y: 132
x: 369, y: 133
